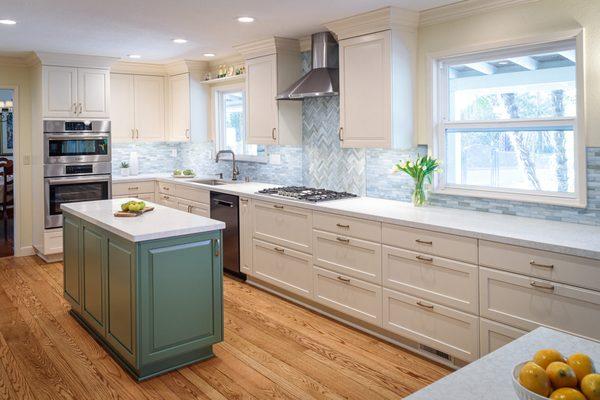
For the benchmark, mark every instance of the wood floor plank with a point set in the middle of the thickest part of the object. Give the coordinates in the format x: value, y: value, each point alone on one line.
x: 273, y: 349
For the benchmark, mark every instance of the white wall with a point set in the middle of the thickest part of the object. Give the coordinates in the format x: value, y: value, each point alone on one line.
x: 19, y: 76
x: 541, y: 17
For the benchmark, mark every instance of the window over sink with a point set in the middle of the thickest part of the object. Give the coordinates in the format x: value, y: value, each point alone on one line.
x: 510, y: 123
x: 230, y: 124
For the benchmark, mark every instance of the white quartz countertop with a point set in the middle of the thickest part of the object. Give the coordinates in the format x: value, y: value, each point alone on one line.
x: 561, y: 237
x: 163, y: 222
x: 490, y: 377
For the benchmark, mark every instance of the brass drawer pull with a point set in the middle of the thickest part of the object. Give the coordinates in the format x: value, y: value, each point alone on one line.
x: 165, y: 188
x: 280, y: 250
x: 343, y: 240
x: 218, y: 246
x: 341, y: 134
x: 133, y: 188
x: 277, y: 206
x: 244, y: 200
x: 534, y: 264
x: 427, y: 242
x: 423, y: 258
x: 540, y: 285
x: 343, y: 226
x: 273, y: 133
x: 345, y: 280
x: 426, y: 306
x: 166, y: 197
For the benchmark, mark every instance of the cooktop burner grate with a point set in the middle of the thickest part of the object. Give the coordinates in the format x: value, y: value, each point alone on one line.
x: 307, y: 194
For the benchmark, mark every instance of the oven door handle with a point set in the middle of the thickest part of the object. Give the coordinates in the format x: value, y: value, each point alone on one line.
x: 76, y: 136
x: 79, y: 179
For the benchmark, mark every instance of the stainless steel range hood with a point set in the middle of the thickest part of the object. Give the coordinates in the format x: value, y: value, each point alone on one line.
x: 323, y: 78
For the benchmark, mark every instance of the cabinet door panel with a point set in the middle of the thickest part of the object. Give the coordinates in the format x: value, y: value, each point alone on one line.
x: 365, y: 86
x: 120, y: 327
x: 494, y: 335
x: 60, y: 91
x: 285, y: 225
x: 176, y: 276
x: 179, y: 107
x: 71, y: 271
x: 122, y: 107
x: 93, y: 92
x: 261, y: 106
x: 149, y: 107
x: 93, y: 269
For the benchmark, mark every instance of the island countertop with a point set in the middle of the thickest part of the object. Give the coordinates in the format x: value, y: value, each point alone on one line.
x: 490, y: 377
x: 162, y: 222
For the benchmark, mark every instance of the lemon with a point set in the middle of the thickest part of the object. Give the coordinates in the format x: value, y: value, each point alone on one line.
x: 567, y: 394
x: 582, y: 365
x: 544, y: 357
x: 590, y: 386
x: 561, y: 375
x: 533, y: 377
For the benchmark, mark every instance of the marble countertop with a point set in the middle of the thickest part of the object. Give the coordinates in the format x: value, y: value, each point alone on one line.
x: 561, y: 237
x: 162, y: 222
x: 490, y: 377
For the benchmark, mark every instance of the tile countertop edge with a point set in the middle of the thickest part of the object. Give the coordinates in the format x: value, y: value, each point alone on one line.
x: 488, y: 221
x: 174, y: 232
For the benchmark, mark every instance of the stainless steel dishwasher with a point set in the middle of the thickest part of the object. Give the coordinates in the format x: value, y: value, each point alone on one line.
x: 225, y: 208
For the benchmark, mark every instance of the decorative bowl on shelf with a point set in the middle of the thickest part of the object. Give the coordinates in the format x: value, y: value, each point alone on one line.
x: 522, y: 393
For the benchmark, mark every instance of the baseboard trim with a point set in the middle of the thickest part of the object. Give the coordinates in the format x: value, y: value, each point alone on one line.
x: 24, y: 251
x: 49, y: 258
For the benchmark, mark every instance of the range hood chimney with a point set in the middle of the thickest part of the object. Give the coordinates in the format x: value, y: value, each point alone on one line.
x: 323, y: 78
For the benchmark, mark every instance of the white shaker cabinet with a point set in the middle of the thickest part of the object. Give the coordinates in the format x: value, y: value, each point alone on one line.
x: 137, y: 107
x: 246, y: 232
x: 75, y: 92
x: 122, y: 108
x: 271, y: 67
x: 179, y: 107
x: 377, y: 53
x: 149, y: 114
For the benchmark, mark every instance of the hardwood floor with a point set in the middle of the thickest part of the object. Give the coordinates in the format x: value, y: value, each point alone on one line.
x: 272, y: 349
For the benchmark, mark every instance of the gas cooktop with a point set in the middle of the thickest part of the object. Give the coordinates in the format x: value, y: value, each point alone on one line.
x: 306, y: 194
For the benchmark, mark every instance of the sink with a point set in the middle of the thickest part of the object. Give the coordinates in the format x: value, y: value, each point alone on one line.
x: 213, y: 182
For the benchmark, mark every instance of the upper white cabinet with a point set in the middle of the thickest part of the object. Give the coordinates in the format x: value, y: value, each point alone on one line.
x: 138, y: 107
x: 75, y: 92
x: 272, y: 65
x: 377, y: 77
x: 179, y: 107
x: 149, y: 109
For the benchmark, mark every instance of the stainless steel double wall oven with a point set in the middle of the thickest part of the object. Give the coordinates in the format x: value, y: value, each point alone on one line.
x: 77, y: 165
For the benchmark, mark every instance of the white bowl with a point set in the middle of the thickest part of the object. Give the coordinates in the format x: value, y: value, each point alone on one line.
x: 522, y: 393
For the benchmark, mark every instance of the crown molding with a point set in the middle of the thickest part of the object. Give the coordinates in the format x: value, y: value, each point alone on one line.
x: 25, y: 60
x: 231, y: 60
x: 464, y: 9
x: 268, y: 46
x: 76, y: 60
x: 374, y: 21
x: 305, y: 43
x: 141, y: 68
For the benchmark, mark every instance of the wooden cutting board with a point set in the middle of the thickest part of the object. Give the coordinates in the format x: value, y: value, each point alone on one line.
x: 133, y: 213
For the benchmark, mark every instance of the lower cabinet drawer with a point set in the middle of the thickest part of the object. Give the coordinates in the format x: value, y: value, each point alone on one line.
x: 166, y: 188
x: 285, y: 225
x: 129, y: 188
x: 451, y: 283
x: 288, y: 269
x: 527, y: 303
x: 354, y: 297
x: 167, y: 200
x: 354, y: 257
x: 440, y: 327
x: 194, y: 194
x: 493, y: 335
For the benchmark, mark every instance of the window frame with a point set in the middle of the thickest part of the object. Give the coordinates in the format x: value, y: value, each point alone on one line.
x: 217, y: 122
x: 439, y: 106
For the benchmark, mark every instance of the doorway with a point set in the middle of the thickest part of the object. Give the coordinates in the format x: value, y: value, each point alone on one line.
x: 7, y: 172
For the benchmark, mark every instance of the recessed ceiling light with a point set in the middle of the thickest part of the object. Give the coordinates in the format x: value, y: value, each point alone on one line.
x: 179, y: 41
x: 245, y: 19
x: 7, y: 22
x: 135, y: 56
x: 208, y: 54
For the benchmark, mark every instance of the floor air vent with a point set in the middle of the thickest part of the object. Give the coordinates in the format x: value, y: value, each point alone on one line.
x: 437, y: 353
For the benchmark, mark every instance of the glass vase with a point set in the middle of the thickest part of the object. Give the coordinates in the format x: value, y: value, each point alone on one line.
x: 419, y: 196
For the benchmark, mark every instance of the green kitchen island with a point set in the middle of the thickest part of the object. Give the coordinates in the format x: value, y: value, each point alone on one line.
x: 149, y: 288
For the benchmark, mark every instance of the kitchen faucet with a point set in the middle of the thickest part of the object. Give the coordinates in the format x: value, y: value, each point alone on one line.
x: 235, y: 171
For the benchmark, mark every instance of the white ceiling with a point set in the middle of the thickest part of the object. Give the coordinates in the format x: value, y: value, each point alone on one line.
x: 146, y: 27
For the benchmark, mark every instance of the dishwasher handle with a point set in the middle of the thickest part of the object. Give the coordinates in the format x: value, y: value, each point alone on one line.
x: 224, y: 203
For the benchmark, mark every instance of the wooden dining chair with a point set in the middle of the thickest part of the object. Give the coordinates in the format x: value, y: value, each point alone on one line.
x: 7, y: 199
